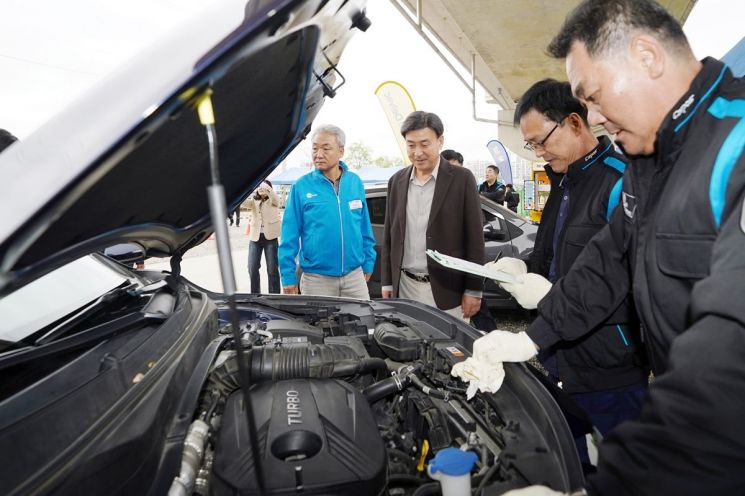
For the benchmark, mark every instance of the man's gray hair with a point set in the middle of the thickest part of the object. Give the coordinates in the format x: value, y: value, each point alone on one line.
x: 331, y: 129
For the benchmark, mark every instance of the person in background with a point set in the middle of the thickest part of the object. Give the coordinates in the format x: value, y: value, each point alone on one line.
x: 676, y: 240
x: 453, y: 157
x: 237, y: 215
x: 327, y: 226
x: 265, y: 224
x: 491, y: 188
x: 511, y: 198
x: 431, y: 205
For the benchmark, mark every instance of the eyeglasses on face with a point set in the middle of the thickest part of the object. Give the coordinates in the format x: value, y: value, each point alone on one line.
x: 542, y: 144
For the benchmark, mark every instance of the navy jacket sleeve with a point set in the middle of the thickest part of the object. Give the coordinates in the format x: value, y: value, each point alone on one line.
x: 690, y: 439
x: 595, y: 286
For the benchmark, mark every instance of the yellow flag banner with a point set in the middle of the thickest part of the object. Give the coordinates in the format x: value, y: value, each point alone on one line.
x: 397, y: 104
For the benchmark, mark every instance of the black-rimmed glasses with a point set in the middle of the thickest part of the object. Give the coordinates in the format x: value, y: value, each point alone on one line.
x: 533, y: 146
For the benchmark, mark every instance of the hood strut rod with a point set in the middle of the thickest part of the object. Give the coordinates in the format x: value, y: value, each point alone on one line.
x: 219, y: 212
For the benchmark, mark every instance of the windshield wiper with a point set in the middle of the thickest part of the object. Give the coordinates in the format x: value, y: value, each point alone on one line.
x: 83, y: 313
x: 157, y: 310
x: 86, y: 338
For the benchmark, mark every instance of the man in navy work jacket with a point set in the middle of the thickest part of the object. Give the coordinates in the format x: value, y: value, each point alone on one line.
x: 603, y: 370
x: 326, y: 226
x: 678, y: 241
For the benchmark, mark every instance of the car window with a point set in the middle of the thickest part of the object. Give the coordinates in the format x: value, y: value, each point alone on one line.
x: 376, y: 207
x: 488, y: 216
x: 62, y: 291
x: 514, y: 230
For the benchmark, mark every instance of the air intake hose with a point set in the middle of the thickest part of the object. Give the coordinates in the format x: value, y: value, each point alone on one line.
x: 295, y: 361
x: 308, y: 361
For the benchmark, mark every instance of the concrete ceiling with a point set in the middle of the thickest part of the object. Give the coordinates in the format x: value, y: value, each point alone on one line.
x: 507, y: 37
x: 502, y: 43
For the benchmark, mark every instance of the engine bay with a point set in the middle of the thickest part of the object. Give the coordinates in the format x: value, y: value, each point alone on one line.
x: 352, y: 398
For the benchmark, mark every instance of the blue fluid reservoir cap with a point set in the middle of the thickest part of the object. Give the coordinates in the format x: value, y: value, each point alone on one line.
x: 452, y: 461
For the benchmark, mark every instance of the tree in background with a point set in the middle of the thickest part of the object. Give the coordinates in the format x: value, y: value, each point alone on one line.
x: 382, y: 161
x: 357, y: 155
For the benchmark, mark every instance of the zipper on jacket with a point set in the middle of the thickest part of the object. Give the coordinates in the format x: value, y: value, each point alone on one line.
x: 341, y: 221
x: 341, y: 226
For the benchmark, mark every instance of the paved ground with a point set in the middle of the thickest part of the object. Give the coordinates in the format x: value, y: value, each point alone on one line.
x: 201, y: 267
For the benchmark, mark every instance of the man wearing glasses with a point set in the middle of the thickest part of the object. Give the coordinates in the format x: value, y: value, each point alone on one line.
x: 603, y: 371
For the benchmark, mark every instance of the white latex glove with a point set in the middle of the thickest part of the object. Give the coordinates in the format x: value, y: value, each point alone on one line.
x: 536, y: 491
x: 504, y: 346
x: 528, y: 289
x: 480, y: 376
x: 513, y: 266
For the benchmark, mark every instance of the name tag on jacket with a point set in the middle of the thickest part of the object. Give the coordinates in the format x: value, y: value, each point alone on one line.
x: 355, y: 204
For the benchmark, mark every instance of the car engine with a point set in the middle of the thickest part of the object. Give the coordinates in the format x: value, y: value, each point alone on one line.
x: 347, y: 403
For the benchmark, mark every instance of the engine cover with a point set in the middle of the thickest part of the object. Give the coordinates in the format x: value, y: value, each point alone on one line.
x: 316, y: 433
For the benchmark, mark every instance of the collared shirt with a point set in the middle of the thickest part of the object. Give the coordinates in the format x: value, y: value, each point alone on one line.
x: 418, y: 206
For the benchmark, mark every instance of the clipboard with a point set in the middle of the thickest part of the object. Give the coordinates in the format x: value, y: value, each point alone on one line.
x: 469, y: 267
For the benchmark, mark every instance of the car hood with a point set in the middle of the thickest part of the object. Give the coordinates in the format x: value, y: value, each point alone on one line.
x: 129, y: 162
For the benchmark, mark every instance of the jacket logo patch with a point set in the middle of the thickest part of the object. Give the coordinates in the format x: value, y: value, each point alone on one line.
x: 310, y: 195
x: 355, y: 204
x: 684, y: 107
x: 629, y: 205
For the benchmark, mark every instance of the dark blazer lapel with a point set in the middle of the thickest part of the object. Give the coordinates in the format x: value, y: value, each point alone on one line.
x: 442, y: 185
x: 402, y: 183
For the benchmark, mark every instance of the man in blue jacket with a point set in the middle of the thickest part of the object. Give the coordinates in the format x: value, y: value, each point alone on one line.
x: 326, y: 226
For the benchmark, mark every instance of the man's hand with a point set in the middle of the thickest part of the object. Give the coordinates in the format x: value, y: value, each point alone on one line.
x: 480, y: 376
x: 292, y: 289
x: 528, y: 289
x: 484, y: 370
x: 387, y: 293
x: 470, y: 305
x: 504, y: 346
x: 368, y: 275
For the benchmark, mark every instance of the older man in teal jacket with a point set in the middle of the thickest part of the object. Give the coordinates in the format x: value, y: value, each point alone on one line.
x: 326, y: 226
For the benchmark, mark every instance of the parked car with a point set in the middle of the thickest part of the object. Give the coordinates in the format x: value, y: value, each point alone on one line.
x: 506, y: 234
x: 116, y: 381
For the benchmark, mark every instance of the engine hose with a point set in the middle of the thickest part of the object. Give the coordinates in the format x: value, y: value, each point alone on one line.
x: 434, y: 392
x: 293, y: 362
x: 386, y: 387
x: 487, y: 476
x: 309, y: 360
x: 191, y: 459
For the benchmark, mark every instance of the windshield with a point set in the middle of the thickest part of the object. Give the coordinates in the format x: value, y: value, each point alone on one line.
x: 62, y: 291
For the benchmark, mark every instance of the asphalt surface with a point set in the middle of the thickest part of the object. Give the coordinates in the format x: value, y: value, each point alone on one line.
x: 200, y: 264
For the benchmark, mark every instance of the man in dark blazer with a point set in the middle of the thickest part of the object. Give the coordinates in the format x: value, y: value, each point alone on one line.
x: 431, y: 205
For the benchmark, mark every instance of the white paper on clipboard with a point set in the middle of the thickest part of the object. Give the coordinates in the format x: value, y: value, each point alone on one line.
x: 469, y: 267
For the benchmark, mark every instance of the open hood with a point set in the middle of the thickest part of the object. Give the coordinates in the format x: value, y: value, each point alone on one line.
x: 129, y: 162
